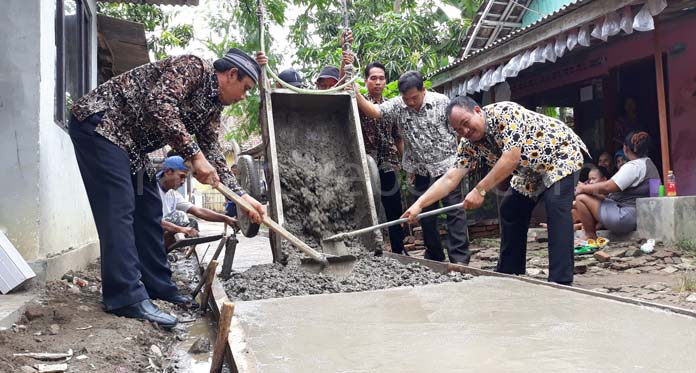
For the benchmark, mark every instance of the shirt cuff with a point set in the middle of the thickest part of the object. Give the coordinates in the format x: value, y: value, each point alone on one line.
x: 189, y: 150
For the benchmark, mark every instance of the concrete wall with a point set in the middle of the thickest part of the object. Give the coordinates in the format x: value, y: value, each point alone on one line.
x: 19, y: 124
x: 43, y: 207
x: 66, y: 218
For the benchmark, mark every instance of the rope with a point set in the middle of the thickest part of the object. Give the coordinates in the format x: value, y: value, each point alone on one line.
x: 262, y: 36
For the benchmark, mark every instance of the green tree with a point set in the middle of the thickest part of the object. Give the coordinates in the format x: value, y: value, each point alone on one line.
x: 163, y: 35
x: 404, y: 35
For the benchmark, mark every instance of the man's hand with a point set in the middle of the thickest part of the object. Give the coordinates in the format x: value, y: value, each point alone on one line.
x: 203, y: 171
x: 412, y: 213
x: 346, y: 37
x: 255, y: 216
x: 189, y: 231
x: 473, y: 200
x: 230, y: 221
x: 347, y: 58
x: 261, y: 58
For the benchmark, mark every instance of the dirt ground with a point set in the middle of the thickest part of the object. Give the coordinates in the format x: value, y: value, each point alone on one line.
x: 69, y: 317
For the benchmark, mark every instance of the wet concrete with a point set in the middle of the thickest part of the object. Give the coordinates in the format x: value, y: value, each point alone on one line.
x: 486, y: 324
x: 320, y: 162
x: 370, y: 273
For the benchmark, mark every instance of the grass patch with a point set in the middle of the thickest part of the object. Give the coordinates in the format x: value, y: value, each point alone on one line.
x: 687, y: 282
x: 486, y: 242
x: 687, y: 247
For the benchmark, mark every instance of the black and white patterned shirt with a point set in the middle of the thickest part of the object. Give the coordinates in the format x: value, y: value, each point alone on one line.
x: 550, y: 150
x: 430, y: 144
x: 169, y: 102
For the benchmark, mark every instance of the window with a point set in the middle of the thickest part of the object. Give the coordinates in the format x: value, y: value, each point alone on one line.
x: 73, y: 27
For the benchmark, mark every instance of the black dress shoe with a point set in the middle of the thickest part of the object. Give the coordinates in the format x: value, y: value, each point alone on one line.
x: 146, y: 310
x: 181, y: 300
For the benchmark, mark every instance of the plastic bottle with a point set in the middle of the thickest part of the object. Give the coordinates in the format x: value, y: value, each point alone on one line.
x: 671, y: 184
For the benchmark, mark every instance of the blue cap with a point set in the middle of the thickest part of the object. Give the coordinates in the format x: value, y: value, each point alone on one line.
x: 621, y: 154
x: 175, y: 163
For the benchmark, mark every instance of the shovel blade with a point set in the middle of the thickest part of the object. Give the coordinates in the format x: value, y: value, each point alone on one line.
x: 339, y: 266
x: 334, y: 247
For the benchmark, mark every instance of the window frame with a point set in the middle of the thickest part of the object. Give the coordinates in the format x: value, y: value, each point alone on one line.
x: 82, y: 30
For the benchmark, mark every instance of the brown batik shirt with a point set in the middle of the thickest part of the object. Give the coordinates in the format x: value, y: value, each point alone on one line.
x: 379, y: 136
x: 169, y: 102
x: 549, y: 149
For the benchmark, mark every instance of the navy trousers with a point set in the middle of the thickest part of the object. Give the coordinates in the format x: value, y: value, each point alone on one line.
x: 457, y: 229
x: 391, y: 200
x: 127, y: 211
x: 515, y: 213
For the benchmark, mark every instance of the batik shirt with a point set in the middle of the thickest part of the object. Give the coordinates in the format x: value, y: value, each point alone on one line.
x: 167, y: 102
x: 429, y: 142
x: 379, y: 137
x: 550, y: 150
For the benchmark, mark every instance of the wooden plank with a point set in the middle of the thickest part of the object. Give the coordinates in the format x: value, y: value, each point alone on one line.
x: 14, y: 270
x: 661, y: 102
x: 224, y: 322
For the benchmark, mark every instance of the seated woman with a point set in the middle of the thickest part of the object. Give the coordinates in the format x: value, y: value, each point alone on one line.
x: 617, y: 211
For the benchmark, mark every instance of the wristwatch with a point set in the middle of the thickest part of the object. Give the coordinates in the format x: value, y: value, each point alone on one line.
x: 480, y: 190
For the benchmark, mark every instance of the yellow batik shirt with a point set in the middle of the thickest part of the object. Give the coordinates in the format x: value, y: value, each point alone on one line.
x: 550, y: 150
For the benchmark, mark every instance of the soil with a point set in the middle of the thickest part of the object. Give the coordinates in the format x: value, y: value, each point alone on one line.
x: 68, y: 316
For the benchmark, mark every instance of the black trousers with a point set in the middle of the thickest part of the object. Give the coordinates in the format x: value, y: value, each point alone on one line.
x: 515, y: 213
x: 127, y: 212
x: 391, y: 200
x: 458, y: 238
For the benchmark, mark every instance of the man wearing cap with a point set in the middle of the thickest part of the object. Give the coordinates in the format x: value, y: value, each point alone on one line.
x: 291, y: 77
x: 175, y: 207
x: 328, y: 78
x: 115, y: 126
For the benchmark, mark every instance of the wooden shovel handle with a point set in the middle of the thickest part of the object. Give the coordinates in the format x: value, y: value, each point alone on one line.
x: 272, y: 225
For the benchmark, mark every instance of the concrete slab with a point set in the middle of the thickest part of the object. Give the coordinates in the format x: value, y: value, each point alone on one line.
x: 12, y: 307
x: 667, y: 219
x: 485, y: 324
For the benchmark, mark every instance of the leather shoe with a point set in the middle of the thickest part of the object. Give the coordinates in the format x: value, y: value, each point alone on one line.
x: 146, y: 310
x: 181, y: 300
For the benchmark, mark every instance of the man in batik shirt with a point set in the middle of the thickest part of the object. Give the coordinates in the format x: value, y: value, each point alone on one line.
x: 429, y: 150
x: 542, y: 154
x: 114, y: 127
x: 382, y: 142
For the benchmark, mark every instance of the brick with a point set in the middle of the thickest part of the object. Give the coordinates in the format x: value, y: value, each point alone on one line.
x: 602, y: 257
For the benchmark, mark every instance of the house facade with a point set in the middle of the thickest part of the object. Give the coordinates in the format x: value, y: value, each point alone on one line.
x: 49, y: 58
x: 603, y: 66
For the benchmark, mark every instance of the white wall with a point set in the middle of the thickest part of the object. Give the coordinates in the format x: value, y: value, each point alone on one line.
x: 43, y: 205
x: 65, y: 215
x: 19, y: 124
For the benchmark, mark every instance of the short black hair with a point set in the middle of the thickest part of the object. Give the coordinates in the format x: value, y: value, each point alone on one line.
x: 373, y: 65
x: 222, y: 65
x: 602, y: 170
x: 410, y: 79
x: 465, y: 102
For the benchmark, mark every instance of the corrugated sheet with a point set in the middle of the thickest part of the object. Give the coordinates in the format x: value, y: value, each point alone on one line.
x: 558, y: 13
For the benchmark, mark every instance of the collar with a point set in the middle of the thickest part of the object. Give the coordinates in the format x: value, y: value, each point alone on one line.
x: 373, y: 100
x: 427, y: 103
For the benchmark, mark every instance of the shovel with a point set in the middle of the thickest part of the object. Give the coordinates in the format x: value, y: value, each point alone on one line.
x: 335, y: 242
x: 339, y: 266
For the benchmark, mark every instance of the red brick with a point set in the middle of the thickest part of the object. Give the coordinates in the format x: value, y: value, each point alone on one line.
x: 601, y: 256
